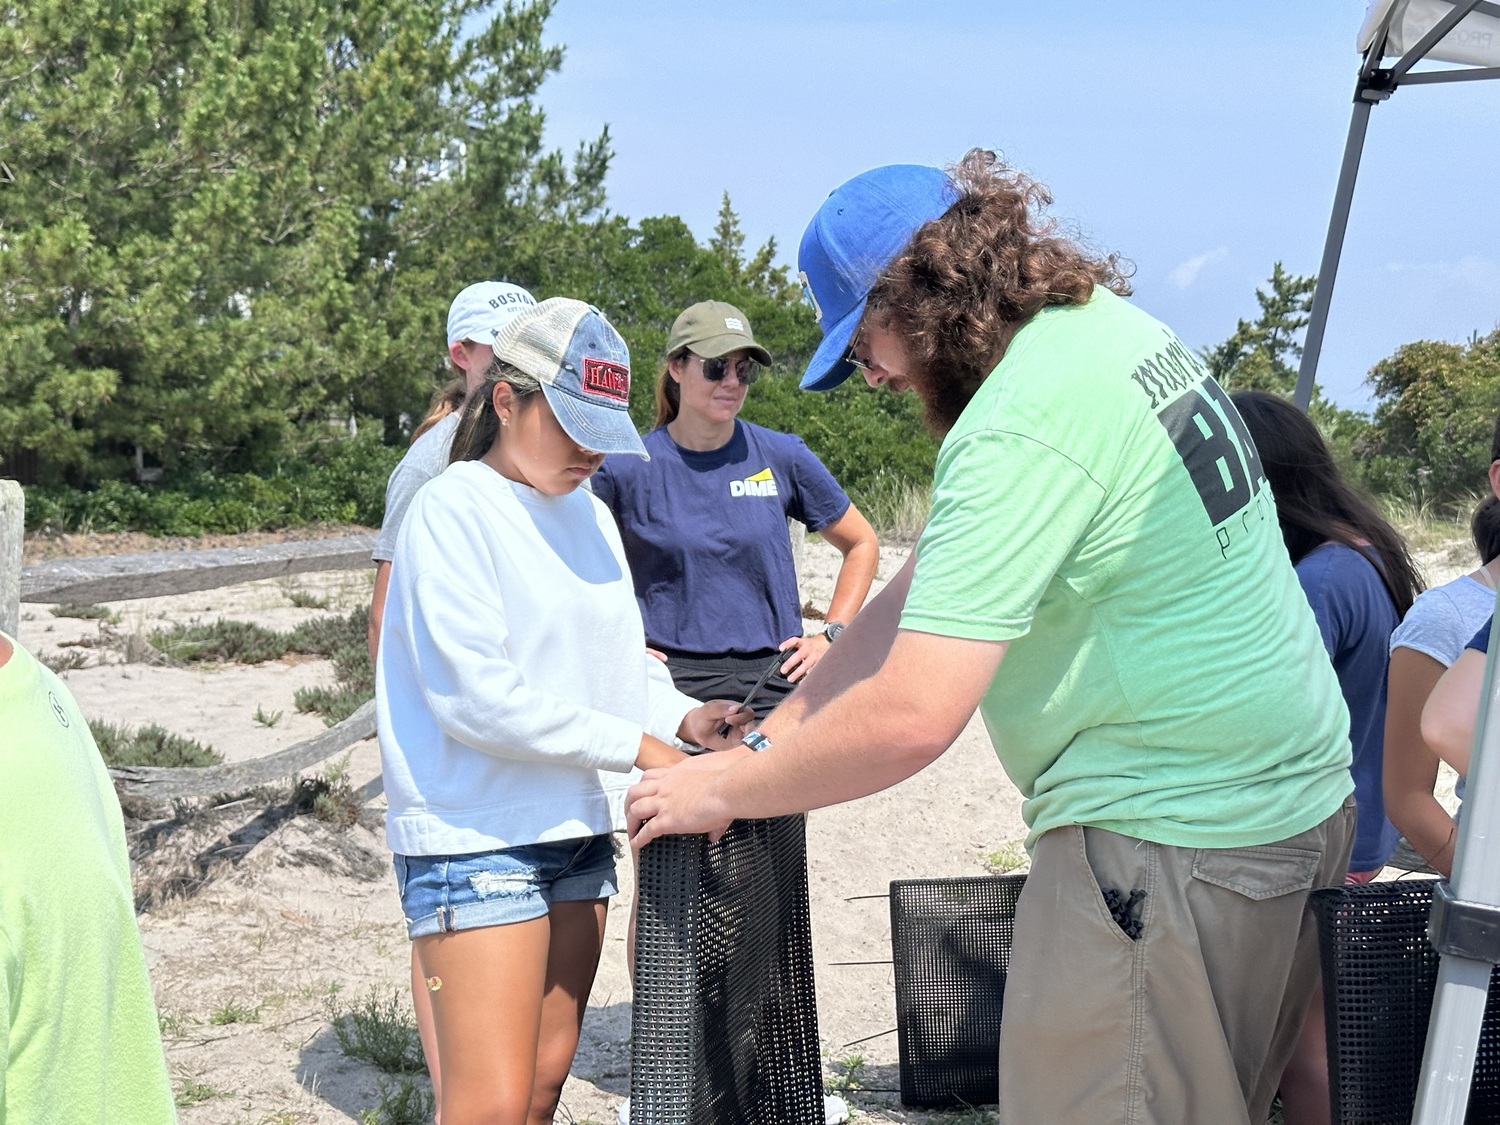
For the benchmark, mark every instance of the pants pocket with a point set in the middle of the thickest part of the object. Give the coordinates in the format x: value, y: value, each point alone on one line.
x: 1258, y: 873
x: 1115, y: 865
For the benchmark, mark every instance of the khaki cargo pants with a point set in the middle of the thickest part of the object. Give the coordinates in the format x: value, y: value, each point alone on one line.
x: 1192, y: 1023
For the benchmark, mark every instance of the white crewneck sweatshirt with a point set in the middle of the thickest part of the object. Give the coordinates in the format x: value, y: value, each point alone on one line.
x: 512, y: 684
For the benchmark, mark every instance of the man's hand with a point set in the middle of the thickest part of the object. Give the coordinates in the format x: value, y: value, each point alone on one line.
x: 700, y: 726
x: 676, y: 801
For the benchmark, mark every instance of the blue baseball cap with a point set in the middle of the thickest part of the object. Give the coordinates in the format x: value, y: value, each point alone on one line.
x: 860, y: 229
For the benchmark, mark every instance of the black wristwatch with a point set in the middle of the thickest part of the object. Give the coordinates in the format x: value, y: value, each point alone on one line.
x: 832, y: 630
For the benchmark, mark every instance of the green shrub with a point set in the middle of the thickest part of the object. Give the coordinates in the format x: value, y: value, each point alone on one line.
x: 149, y: 745
x: 403, y: 1102
x: 335, y: 481
x: 341, y: 639
x: 85, y: 612
x: 380, y: 1029
x: 240, y: 642
x: 326, y: 636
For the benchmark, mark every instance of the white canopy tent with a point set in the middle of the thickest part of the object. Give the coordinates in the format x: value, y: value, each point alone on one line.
x: 1466, y: 32
x: 1465, y: 922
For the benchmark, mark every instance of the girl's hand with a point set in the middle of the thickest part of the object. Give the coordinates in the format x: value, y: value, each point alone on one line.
x: 700, y: 726
x: 806, y: 652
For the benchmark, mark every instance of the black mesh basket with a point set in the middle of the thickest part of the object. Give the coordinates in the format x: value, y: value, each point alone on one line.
x: 1379, y: 975
x: 724, y: 1025
x: 950, y: 942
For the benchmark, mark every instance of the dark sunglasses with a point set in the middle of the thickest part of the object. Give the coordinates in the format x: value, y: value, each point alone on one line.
x: 746, y: 370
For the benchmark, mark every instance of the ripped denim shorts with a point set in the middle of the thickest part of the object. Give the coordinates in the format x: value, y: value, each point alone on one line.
x: 441, y: 893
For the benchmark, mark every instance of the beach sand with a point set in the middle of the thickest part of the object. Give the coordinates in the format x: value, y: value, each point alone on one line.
x: 297, y: 920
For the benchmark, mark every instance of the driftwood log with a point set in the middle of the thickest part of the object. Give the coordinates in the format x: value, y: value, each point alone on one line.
x: 203, y: 781
x: 113, y: 578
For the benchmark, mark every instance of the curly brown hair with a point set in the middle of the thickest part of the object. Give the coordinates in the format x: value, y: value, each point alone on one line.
x: 969, y: 278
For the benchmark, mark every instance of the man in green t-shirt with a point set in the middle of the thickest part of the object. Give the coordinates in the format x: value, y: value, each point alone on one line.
x: 79, y: 1042
x: 1102, y: 577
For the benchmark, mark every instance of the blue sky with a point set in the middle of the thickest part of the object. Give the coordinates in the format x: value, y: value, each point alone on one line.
x: 1201, y: 140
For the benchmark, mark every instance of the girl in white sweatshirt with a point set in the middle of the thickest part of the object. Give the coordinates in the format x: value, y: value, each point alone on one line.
x: 516, y: 702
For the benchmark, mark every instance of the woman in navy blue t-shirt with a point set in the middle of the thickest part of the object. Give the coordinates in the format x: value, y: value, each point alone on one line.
x: 1360, y: 581
x: 704, y: 522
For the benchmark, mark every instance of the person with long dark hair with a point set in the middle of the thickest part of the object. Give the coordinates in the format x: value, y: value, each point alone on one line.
x: 1360, y: 580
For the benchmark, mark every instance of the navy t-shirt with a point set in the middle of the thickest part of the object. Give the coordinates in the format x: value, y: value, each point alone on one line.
x: 705, y: 534
x: 1481, y: 639
x: 1355, y: 616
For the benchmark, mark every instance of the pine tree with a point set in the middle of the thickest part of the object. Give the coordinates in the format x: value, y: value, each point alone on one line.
x: 225, y: 224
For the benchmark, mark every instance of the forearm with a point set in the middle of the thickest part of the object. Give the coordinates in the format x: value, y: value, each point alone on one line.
x: 841, y: 752
x: 1452, y: 710
x: 860, y: 651
x: 878, y: 731
x: 1430, y: 831
x: 852, y: 585
x: 654, y: 753
x: 1412, y: 808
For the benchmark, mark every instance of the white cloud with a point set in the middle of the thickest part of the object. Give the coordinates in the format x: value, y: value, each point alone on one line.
x: 1470, y: 270
x: 1187, y: 273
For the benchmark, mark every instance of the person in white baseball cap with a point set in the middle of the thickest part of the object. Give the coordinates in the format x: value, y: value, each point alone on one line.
x: 474, y: 317
x: 476, y: 314
x: 515, y: 700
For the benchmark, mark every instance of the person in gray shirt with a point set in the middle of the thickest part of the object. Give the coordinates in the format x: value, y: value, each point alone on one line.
x: 477, y: 313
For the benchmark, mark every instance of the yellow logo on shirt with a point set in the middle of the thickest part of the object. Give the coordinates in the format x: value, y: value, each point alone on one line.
x: 762, y: 483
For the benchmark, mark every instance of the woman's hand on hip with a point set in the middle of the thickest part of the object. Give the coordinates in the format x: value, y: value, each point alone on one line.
x: 805, y: 652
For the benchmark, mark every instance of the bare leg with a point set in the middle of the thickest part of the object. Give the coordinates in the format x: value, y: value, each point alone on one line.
x: 1304, y: 1083
x: 572, y: 960
x: 487, y: 1014
x: 421, y: 1003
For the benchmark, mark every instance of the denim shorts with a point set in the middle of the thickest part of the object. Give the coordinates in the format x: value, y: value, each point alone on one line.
x: 442, y: 893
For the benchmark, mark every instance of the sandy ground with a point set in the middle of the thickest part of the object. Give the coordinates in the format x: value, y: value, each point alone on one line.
x: 247, y: 968
x: 302, y: 921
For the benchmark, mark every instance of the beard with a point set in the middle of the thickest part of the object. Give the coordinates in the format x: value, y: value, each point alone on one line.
x: 944, y: 399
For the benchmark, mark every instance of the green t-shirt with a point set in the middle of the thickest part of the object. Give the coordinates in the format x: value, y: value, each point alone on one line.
x: 1100, y: 505
x: 78, y: 1033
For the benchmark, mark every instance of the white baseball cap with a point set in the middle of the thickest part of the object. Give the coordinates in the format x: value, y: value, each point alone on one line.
x: 482, y: 309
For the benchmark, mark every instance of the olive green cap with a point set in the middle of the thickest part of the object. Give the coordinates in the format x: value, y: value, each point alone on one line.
x: 714, y: 328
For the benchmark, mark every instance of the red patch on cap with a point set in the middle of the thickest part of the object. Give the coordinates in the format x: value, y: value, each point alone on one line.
x: 601, y: 377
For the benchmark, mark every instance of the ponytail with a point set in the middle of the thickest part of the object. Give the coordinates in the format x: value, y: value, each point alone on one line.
x: 668, y: 390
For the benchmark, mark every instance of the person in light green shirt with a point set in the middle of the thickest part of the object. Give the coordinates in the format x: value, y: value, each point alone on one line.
x: 1102, y: 577
x: 1136, y: 687
x: 79, y: 1040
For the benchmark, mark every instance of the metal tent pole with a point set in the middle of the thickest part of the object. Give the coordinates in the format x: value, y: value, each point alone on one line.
x: 1465, y: 924
x: 1328, y: 269
x: 1375, y: 85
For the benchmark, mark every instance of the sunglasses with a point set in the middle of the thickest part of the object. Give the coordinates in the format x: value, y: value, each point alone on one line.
x: 746, y: 370
x: 850, y: 357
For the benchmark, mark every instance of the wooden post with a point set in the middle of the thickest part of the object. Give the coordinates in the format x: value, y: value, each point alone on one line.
x: 12, y: 531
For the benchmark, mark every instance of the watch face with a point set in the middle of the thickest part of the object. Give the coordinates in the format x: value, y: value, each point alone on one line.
x: 833, y: 629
